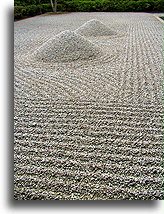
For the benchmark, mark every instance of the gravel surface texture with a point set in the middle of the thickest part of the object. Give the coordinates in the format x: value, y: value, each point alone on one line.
x: 94, y: 28
x: 88, y: 108
x: 65, y: 47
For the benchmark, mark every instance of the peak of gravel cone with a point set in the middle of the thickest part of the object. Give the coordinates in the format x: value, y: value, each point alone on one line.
x: 94, y: 28
x: 66, y: 46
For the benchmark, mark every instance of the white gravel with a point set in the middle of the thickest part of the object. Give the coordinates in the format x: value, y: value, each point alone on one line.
x: 66, y: 46
x: 88, y: 129
x: 94, y: 28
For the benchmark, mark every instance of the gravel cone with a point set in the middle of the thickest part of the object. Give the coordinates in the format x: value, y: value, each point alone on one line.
x: 66, y: 46
x: 94, y: 28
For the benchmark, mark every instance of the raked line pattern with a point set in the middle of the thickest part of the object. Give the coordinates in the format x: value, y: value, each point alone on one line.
x: 90, y: 129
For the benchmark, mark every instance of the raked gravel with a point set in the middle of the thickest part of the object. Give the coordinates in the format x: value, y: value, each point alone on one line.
x: 88, y: 128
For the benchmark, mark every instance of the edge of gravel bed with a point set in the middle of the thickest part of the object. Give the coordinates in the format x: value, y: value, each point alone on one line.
x: 44, y: 14
x: 57, y: 13
x: 159, y: 19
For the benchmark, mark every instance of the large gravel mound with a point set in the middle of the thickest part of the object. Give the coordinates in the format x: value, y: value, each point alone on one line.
x: 94, y: 28
x: 66, y: 46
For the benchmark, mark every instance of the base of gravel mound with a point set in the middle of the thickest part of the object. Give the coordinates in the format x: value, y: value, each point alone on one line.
x: 66, y: 46
x: 94, y: 28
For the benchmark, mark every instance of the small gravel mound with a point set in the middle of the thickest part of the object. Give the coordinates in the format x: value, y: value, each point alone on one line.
x: 94, y: 28
x: 66, y: 46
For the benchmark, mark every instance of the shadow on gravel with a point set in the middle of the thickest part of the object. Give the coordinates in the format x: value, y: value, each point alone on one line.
x: 10, y: 98
x: 85, y: 204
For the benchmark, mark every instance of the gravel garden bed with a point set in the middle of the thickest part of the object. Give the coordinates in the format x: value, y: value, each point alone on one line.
x: 88, y: 107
